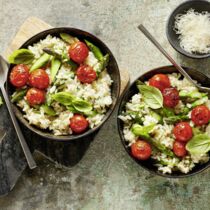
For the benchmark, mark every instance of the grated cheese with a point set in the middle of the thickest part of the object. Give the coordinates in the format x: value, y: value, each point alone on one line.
x: 194, y: 31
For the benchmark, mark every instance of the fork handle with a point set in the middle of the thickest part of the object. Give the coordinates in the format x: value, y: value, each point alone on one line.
x: 161, y: 49
x: 26, y: 150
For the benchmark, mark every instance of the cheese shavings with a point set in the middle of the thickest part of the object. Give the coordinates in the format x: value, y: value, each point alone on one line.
x: 194, y: 31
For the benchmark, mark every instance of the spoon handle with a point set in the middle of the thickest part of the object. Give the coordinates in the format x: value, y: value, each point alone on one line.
x: 154, y: 41
x: 26, y: 150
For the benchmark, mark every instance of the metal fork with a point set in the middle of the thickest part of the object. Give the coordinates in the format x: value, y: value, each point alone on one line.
x: 3, y: 78
x: 178, y: 67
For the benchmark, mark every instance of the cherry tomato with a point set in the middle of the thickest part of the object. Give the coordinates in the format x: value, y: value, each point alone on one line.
x: 19, y: 75
x: 179, y: 149
x: 39, y: 79
x: 141, y: 150
x: 78, y: 123
x: 35, y: 96
x: 183, y: 131
x: 160, y: 81
x: 170, y: 97
x: 200, y: 115
x: 78, y: 52
x: 86, y: 74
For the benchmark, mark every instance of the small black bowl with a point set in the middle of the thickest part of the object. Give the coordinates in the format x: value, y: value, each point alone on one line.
x: 198, y: 6
x: 112, y: 69
x: 149, y: 164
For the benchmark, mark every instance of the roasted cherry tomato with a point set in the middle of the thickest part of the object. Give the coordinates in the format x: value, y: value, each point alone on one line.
x: 86, y: 74
x: 35, y: 96
x: 200, y: 115
x: 183, y: 131
x: 39, y: 79
x: 78, y: 52
x: 141, y: 150
x: 179, y: 149
x: 160, y: 81
x: 170, y: 97
x: 78, y: 123
x: 19, y: 75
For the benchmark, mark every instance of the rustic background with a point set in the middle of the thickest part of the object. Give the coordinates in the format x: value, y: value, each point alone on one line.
x: 106, y: 178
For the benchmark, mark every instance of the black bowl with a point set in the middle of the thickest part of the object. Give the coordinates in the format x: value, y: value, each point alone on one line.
x: 197, y: 5
x: 112, y: 70
x: 148, y: 164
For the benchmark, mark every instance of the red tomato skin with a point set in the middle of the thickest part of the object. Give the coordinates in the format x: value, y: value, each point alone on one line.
x: 170, y: 97
x: 183, y: 131
x: 200, y: 115
x: 78, y: 123
x: 35, y: 96
x: 141, y: 150
x: 160, y: 81
x: 179, y: 149
x: 19, y: 75
x: 78, y: 52
x: 39, y: 79
x: 86, y: 74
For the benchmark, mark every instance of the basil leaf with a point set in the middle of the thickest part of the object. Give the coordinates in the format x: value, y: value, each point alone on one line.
x: 81, y: 105
x: 18, y: 95
x: 55, y: 65
x: 48, y: 110
x: 63, y: 98
x: 152, y: 96
x: 199, y: 144
x: 21, y: 56
x: 40, y: 62
x: 68, y: 38
x: 142, y: 131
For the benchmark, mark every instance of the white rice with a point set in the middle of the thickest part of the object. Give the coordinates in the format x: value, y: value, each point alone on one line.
x: 98, y: 93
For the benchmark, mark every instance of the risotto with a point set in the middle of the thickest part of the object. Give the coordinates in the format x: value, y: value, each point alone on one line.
x: 168, y: 121
x: 62, y: 84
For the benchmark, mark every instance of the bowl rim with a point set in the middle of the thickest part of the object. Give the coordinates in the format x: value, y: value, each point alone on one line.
x: 70, y: 137
x: 182, y: 51
x: 122, y: 139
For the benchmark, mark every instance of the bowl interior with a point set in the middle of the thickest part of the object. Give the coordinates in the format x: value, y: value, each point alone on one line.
x: 148, y: 164
x: 198, y: 6
x: 112, y: 70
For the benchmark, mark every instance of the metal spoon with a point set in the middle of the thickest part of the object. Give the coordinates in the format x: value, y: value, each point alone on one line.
x: 178, y: 67
x: 3, y: 78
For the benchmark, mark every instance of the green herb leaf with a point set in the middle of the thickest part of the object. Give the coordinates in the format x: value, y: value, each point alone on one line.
x: 142, y: 131
x: 81, y: 105
x: 193, y: 94
x: 21, y: 56
x: 68, y: 38
x: 48, y: 110
x: 152, y: 96
x: 199, y: 144
x: 63, y: 98
x: 40, y: 62
x: 55, y: 65
x: 96, y: 51
x: 18, y: 95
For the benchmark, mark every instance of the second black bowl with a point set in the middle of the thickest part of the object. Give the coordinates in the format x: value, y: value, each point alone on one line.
x: 149, y: 164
